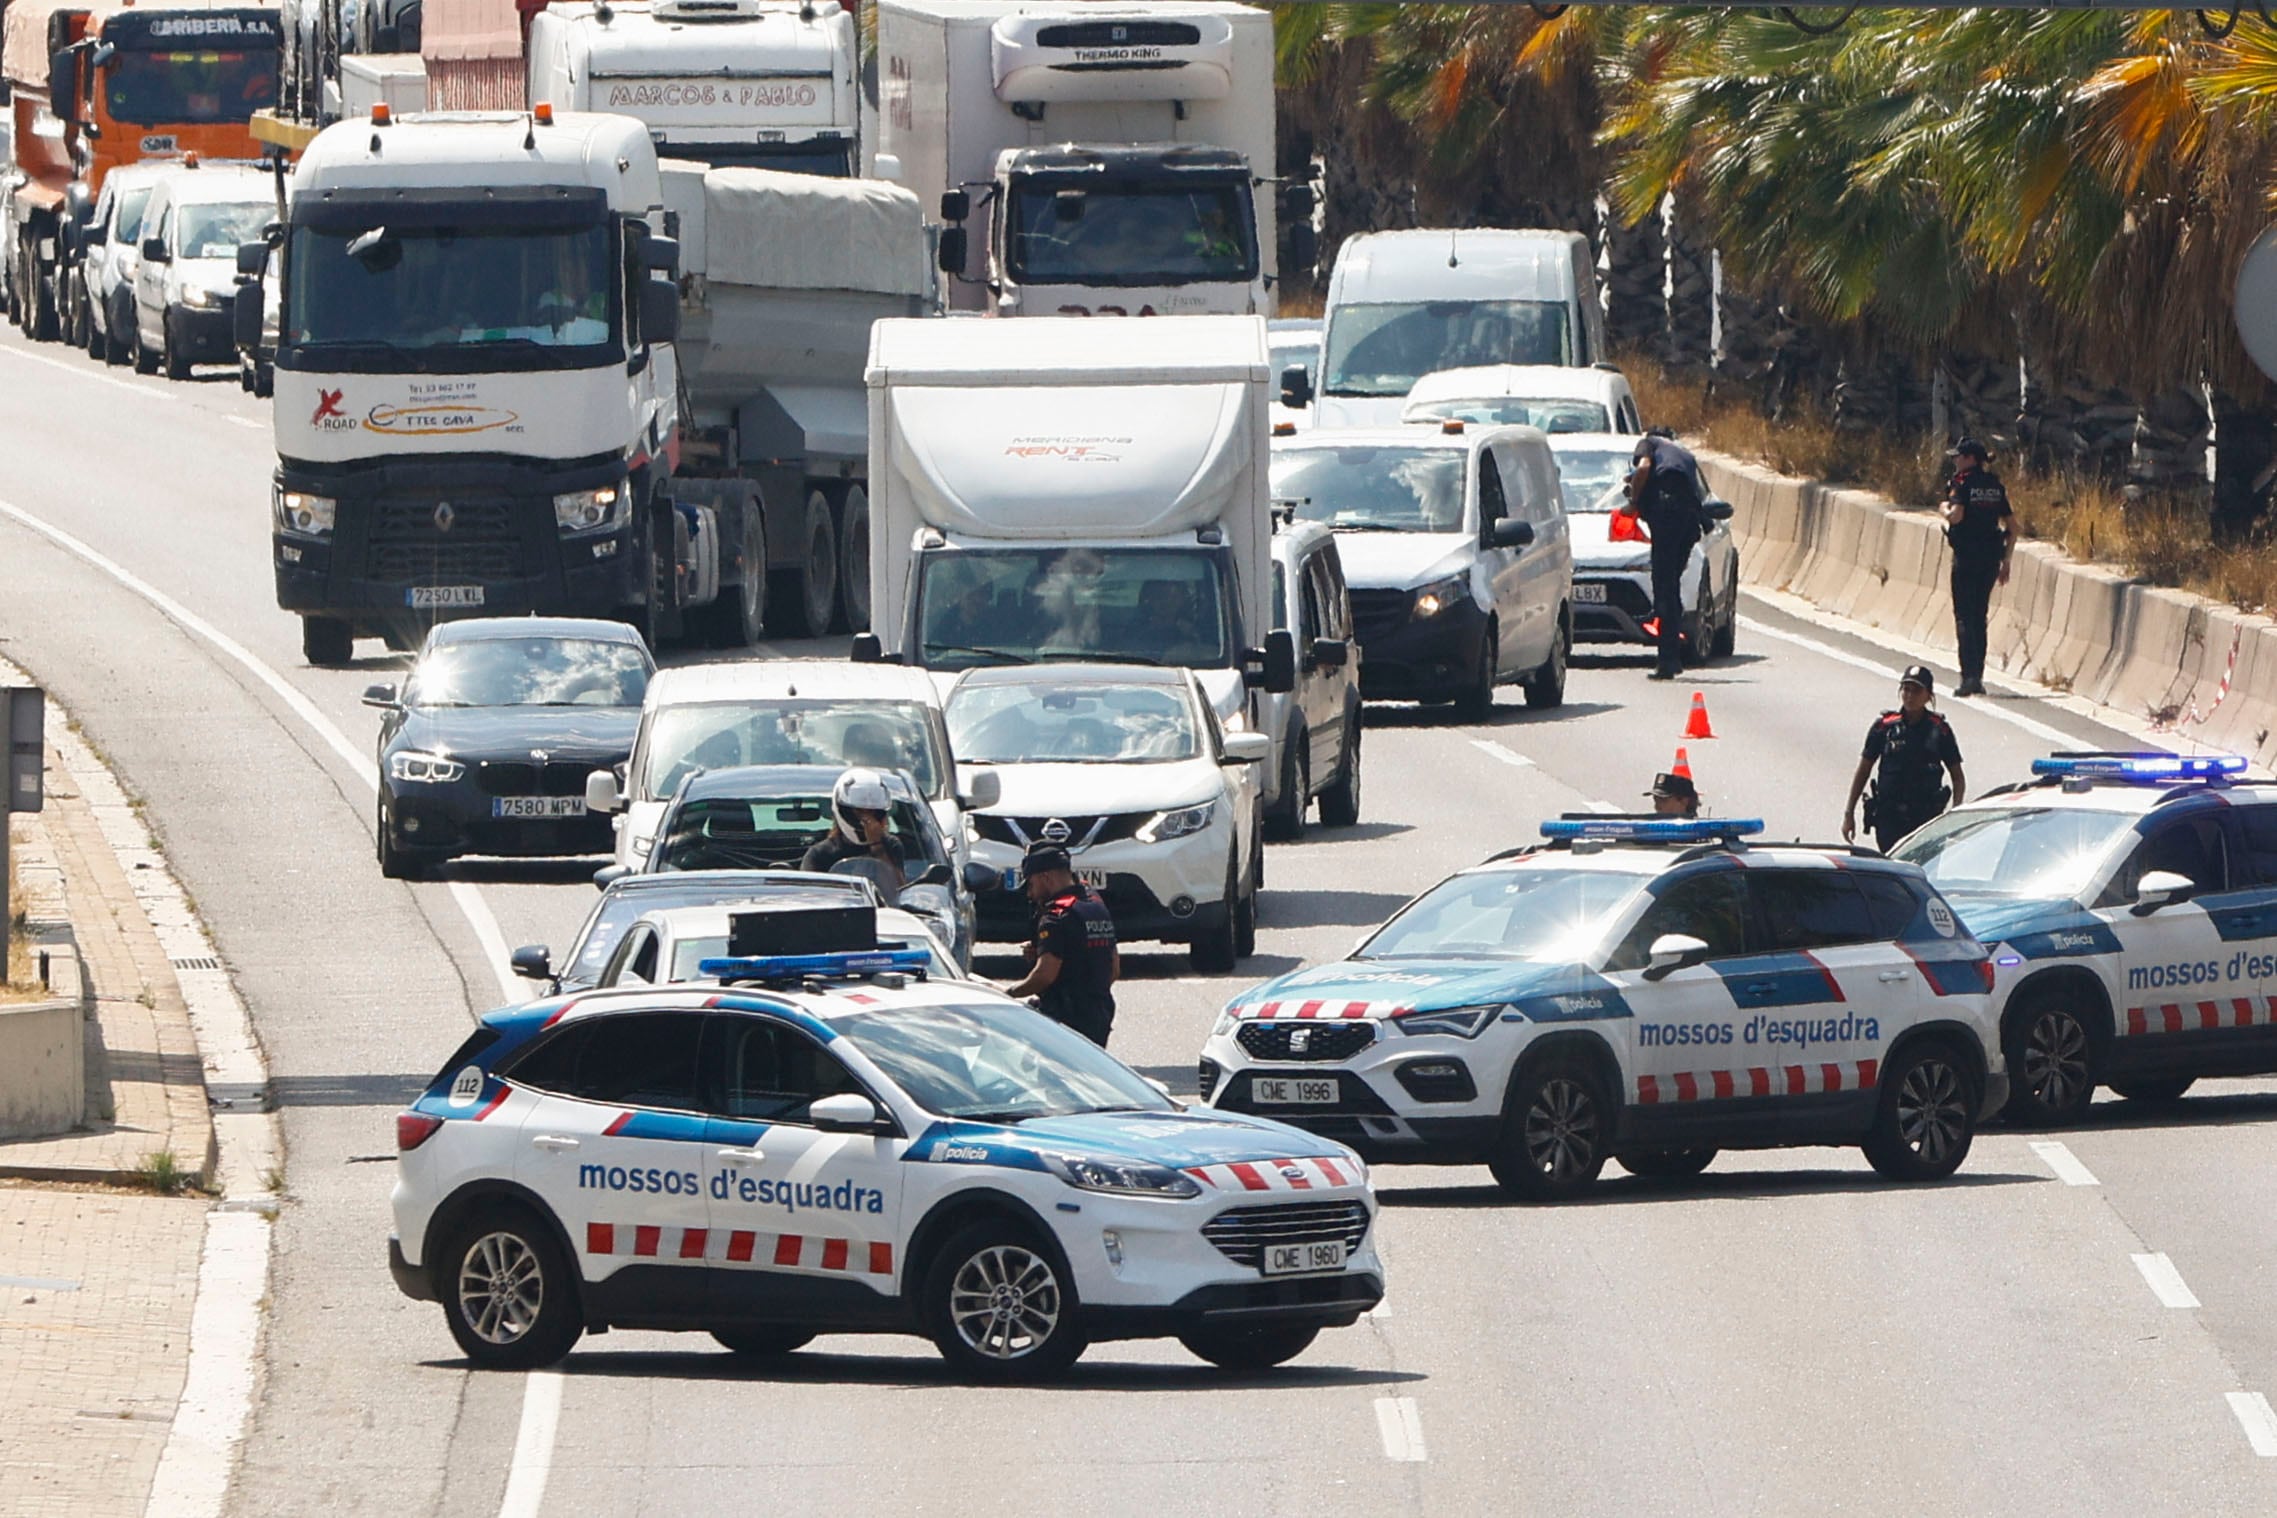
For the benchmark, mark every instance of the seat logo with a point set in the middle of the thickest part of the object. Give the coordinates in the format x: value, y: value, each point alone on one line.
x: 1300, y: 1039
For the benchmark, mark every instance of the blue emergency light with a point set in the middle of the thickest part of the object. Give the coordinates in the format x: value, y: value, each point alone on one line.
x: 848, y: 966
x: 1651, y: 829
x: 2139, y: 768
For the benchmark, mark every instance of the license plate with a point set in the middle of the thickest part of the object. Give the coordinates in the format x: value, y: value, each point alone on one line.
x: 1095, y: 879
x: 1270, y: 1091
x: 537, y: 806
x: 1301, y: 1259
x: 1594, y: 594
x: 426, y: 597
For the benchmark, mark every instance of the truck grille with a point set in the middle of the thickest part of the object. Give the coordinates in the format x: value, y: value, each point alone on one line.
x: 1378, y: 612
x: 498, y: 777
x: 1242, y: 1234
x: 407, y: 548
x: 1322, y: 1041
x: 1120, y: 34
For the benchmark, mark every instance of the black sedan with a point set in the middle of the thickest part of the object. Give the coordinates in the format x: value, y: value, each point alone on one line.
x: 486, y: 748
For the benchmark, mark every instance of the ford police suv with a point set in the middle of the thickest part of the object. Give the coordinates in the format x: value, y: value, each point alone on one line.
x: 830, y: 1143
x: 1644, y: 990
x: 2131, y: 904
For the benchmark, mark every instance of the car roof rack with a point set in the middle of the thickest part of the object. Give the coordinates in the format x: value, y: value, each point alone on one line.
x: 819, y: 972
x: 1586, y: 831
x: 2078, y: 769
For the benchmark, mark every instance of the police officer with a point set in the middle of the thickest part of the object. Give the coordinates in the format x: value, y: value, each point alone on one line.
x: 1911, y: 745
x: 1664, y: 492
x: 861, y: 809
x: 1674, y: 796
x: 1073, y: 961
x: 1982, y: 530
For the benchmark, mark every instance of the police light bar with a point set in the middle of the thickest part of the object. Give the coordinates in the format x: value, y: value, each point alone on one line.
x: 2139, y: 767
x: 828, y: 966
x: 1651, y: 829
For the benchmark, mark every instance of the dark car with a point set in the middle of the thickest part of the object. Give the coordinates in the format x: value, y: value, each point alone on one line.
x: 486, y: 748
x: 630, y: 897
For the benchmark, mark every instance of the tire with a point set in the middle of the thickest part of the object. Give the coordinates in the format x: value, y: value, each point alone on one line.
x: 2169, y: 1089
x: 396, y: 863
x: 1667, y: 1164
x: 1727, y: 631
x: 98, y: 346
x: 654, y: 615
x: 1698, y: 627
x: 763, y: 1341
x: 169, y: 352
x: 1476, y: 702
x: 1926, y: 1116
x: 42, y: 322
x: 813, y: 601
x: 115, y: 349
x: 2053, y: 1050
x: 1253, y: 1347
x: 508, y: 1292
x: 1245, y: 914
x: 1216, y: 948
x: 999, y: 1305
x: 1557, y: 1127
x: 326, y: 642
x: 1340, y: 803
x: 1286, y: 821
x: 145, y: 361
x: 854, y: 559
x: 1546, y: 689
x: 739, y: 620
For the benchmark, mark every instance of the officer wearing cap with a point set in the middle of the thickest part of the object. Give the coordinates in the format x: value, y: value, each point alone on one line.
x: 1665, y: 493
x: 1982, y: 530
x: 1674, y: 796
x: 1915, y: 749
x: 1073, y: 961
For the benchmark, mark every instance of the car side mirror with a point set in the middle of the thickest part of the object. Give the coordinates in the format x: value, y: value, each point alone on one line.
x: 934, y: 875
x: 252, y: 257
x: 609, y: 874
x: 659, y: 310
x: 601, y: 792
x: 980, y: 790
x: 950, y: 256
x: 956, y: 205
x: 868, y: 649
x: 979, y: 878
x: 1672, y: 952
x: 2162, y: 888
x: 845, y: 1112
x: 532, y: 961
x: 1296, y: 387
x: 1509, y: 532
x: 1717, y: 510
x: 1247, y: 748
x: 381, y: 696
x: 1272, y: 668
x: 1330, y: 653
x: 95, y: 236
x: 154, y: 251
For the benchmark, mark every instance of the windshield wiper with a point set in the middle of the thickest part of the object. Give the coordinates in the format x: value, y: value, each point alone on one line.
x: 1005, y: 654
x: 1010, y: 1116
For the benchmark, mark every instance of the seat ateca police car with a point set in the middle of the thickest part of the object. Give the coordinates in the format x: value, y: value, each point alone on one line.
x: 829, y: 1143
x: 2131, y: 904
x: 1645, y: 990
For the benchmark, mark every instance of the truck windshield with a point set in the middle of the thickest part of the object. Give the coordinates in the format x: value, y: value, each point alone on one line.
x: 1119, y: 605
x: 446, y: 287
x: 1129, y: 234
x: 1373, y: 487
x: 1385, y: 349
x: 189, y: 88
x: 827, y: 160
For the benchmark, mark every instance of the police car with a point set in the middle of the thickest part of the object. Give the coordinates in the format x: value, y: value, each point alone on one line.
x: 831, y: 1143
x: 2131, y: 902
x: 1645, y: 990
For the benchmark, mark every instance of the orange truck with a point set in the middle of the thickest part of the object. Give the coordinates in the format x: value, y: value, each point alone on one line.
x: 100, y: 83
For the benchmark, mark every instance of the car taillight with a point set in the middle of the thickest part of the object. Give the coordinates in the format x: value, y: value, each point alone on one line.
x: 1984, y: 967
x: 413, y: 1129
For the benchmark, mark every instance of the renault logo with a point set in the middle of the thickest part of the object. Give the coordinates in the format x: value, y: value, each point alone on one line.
x: 445, y: 515
x: 1055, y: 830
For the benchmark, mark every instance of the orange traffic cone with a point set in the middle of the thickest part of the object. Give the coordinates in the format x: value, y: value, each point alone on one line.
x: 1696, y: 726
x: 1683, y: 765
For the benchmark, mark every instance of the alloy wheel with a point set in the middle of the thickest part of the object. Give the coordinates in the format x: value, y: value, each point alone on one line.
x: 501, y: 1287
x: 1005, y: 1302
x: 1561, y: 1129
x: 1932, y: 1110
x: 2055, y: 1059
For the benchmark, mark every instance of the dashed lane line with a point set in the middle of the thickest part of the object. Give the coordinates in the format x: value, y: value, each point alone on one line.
x: 1995, y: 709
x: 2165, y: 1281
x: 1402, y: 1429
x: 1494, y: 750
x: 2064, y: 1163
x: 2258, y: 1420
x: 148, y: 392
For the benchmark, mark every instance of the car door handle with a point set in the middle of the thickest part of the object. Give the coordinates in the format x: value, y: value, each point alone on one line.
x: 1893, y: 976
x: 554, y: 1141
x: 742, y: 1157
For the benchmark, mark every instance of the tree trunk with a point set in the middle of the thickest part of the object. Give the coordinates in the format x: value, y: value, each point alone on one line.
x: 2170, y: 438
x: 1636, y: 276
x: 2074, y: 427
x: 2245, y: 455
x: 1691, y: 296
x: 1986, y: 394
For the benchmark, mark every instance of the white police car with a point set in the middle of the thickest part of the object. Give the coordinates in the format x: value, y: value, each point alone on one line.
x: 1646, y: 990
x: 2131, y: 904
x: 825, y: 1149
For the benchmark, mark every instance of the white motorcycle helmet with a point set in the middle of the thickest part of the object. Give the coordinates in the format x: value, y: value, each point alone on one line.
x: 858, y: 788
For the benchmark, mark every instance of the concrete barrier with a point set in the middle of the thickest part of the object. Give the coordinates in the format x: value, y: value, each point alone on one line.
x: 2159, y: 655
x: 43, y: 1054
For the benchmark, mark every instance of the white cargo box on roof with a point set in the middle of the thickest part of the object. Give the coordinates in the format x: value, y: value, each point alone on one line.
x: 1132, y: 56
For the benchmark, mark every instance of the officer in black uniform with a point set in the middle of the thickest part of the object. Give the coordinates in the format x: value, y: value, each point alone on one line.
x: 1674, y: 796
x: 1915, y: 749
x: 1664, y: 492
x: 1982, y: 530
x: 1073, y: 961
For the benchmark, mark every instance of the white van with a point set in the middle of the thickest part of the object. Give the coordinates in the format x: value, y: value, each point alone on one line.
x: 1405, y: 304
x: 1558, y: 399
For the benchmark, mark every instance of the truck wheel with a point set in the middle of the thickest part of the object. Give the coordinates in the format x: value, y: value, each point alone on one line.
x: 738, y: 618
x: 1340, y: 803
x: 1286, y: 821
x: 326, y: 642
x: 169, y: 351
x: 813, y: 581
x: 1547, y: 688
x: 1477, y: 699
x: 854, y: 559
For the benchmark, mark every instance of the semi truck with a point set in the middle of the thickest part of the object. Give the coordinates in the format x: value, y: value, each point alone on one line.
x: 100, y: 83
x: 1113, y: 159
x: 500, y: 385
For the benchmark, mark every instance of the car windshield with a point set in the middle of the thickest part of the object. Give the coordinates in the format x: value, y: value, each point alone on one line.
x: 1128, y: 234
x: 1168, y: 606
x: 996, y: 1062
x: 1383, y: 349
x: 1373, y: 487
x: 442, y: 287
x: 774, y: 833
x: 145, y: 88
x: 622, y: 907
x: 215, y: 229
x: 1515, y: 411
x: 1550, y: 915
x: 2026, y: 852
x: 721, y: 735
x: 129, y: 215
x: 529, y: 672
x: 1591, y: 477
x: 1084, y: 724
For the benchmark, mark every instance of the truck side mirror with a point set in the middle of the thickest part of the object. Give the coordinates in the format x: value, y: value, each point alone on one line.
x: 63, y: 83
x: 1273, y: 667
x: 659, y: 310
x: 1297, y: 201
x: 1296, y: 387
x: 662, y: 255
x: 1330, y: 653
x: 956, y: 205
x: 1303, y: 246
x: 245, y: 316
x: 252, y: 257
x: 979, y: 878
x: 95, y: 236
x: 951, y: 255
x: 1717, y: 510
x: 867, y: 649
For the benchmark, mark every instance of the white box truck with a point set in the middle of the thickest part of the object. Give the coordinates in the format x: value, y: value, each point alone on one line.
x: 1115, y: 159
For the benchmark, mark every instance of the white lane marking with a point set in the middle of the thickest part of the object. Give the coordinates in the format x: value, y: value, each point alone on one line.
x: 1494, y: 750
x: 533, y: 1445
x: 2165, y: 1281
x: 1402, y: 1429
x: 245, y: 421
x: 2064, y: 1163
x: 147, y: 392
x: 2258, y: 1420
x: 2037, y: 729
x: 217, y: 1392
x: 1599, y: 806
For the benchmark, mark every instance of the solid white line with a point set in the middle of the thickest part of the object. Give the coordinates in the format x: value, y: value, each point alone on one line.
x: 533, y: 1445
x: 1495, y: 750
x: 2064, y: 1163
x: 217, y: 1392
x: 1401, y: 1427
x: 245, y: 421
x: 1599, y: 806
x: 148, y: 392
x: 2036, y: 728
x: 2165, y: 1281
x: 2256, y: 1417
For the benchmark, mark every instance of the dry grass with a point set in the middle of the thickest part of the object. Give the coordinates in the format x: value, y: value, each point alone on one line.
x: 1290, y: 302
x: 21, y: 982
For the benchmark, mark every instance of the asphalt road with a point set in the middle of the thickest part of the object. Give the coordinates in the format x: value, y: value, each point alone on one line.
x: 1785, y: 1334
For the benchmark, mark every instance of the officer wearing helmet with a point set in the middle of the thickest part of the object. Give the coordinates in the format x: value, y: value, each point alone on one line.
x: 861, y: 809
x: 1072, y: 962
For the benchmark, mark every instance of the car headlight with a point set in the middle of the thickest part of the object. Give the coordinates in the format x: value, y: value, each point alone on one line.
x: 308, y: 515
x: 1435, y: 598
x: 1463, y: 1022
x: 1121, y: 1177
x: 589, y: 510
x: 1177, y: 824
x: 414, y: 764
x: 1224, y: 1024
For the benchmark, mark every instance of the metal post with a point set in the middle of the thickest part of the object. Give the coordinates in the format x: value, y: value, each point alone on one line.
x: 22, y: 718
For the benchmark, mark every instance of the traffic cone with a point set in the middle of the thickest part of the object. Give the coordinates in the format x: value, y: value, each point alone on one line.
x: 1683, y: 765
x: 1696, y: 726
